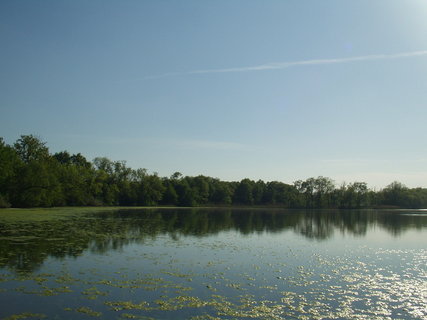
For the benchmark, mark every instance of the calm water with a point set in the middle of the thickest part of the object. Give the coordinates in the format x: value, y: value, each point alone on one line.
x: 214, y: 264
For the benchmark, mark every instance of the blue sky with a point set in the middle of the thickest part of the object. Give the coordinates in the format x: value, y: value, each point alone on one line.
x: 272, y: 90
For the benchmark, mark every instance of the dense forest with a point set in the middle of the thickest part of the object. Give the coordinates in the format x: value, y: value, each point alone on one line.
x: 30, y: 176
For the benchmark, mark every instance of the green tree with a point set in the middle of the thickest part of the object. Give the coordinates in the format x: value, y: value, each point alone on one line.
x: 63, y: 157
x: 75, y: 176
x: 258, y: 190
x: 318, y: 192
x: 9, y: 162
x: 243, y: 193
x: 220, y: 192
x: 36, y: 182
x: 324, y: 188
x: 306, y: 189
x: 170, y: 196
x: 395, y: 194
x: 151, y: 189
x: 200, y: 189
x: 30, y: 148
x: 37, y: 185
x: 279, y: 193
x: 185, y: 193
x: 104, y: 186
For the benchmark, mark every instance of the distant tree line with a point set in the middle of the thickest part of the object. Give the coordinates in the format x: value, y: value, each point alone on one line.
x: 30, y: 176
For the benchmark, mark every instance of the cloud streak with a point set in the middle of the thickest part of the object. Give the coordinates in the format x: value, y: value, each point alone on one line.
x: 285, y: 65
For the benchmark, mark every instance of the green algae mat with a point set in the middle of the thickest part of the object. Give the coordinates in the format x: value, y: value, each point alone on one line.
x: 136, y: 263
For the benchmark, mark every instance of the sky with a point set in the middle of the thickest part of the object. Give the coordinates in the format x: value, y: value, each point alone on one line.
x: 273, y: 90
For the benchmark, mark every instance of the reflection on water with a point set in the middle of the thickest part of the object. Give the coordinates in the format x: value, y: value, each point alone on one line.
x: 25, y: 245
x: 215, y: 264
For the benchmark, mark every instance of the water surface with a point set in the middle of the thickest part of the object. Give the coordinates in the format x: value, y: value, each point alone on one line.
x: 213, y: 264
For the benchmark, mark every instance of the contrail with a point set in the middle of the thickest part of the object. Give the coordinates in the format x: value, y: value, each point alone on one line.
x: 284, y: 65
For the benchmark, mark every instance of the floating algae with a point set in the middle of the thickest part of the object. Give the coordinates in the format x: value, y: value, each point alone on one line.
x: 89, y: 311
x: 44, y: 291
x: 126, y: 266
x: 128, y: 305
x: 93, y: 293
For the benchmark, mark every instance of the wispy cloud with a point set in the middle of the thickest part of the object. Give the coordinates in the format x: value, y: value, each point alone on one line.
x: 284, y: 65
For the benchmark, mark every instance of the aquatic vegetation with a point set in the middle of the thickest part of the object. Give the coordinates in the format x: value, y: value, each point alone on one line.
x: 89, y: 311
x: 127, y: 305
x: 118, y: 269
x: 93, y: 293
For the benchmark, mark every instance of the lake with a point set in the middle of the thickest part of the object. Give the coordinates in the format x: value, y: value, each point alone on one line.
x: 213, y: 264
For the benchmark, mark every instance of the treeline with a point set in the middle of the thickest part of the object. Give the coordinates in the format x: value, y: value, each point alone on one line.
x: 30, y: 176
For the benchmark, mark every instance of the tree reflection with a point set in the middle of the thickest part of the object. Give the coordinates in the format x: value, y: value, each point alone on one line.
x: 25, y: 245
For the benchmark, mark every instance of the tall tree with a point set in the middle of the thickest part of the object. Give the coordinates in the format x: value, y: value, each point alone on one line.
x: 243, y: 193
x: 9, y: 162
x: 30, y: 148
x: 36, y: 182
x: 395, y: 194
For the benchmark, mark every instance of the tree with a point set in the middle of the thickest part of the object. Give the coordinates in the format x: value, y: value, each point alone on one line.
x: 104, y: 164
x: 323, y: 187
x: 306, y: 188
x: 280, y: 193
x: 104, y: 187
x: 79, y: 160
x: 317, y: 191
x: 150, y: 190
x: 169, y: 196
x: 30, y: 148
x: 8, y: 165
x: 37, y: 185
x: 395, y: 194
x: 243, y: 192
x: 220, y: 192
x: 258, y: 190
x: 185, y: 193
x: 63, y: 157
x: 200, y: 189
x: 75, y: 175
x: 361, y: 194
x: 31, y: 176
x: 36, y: 181
x: 176, y: 176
